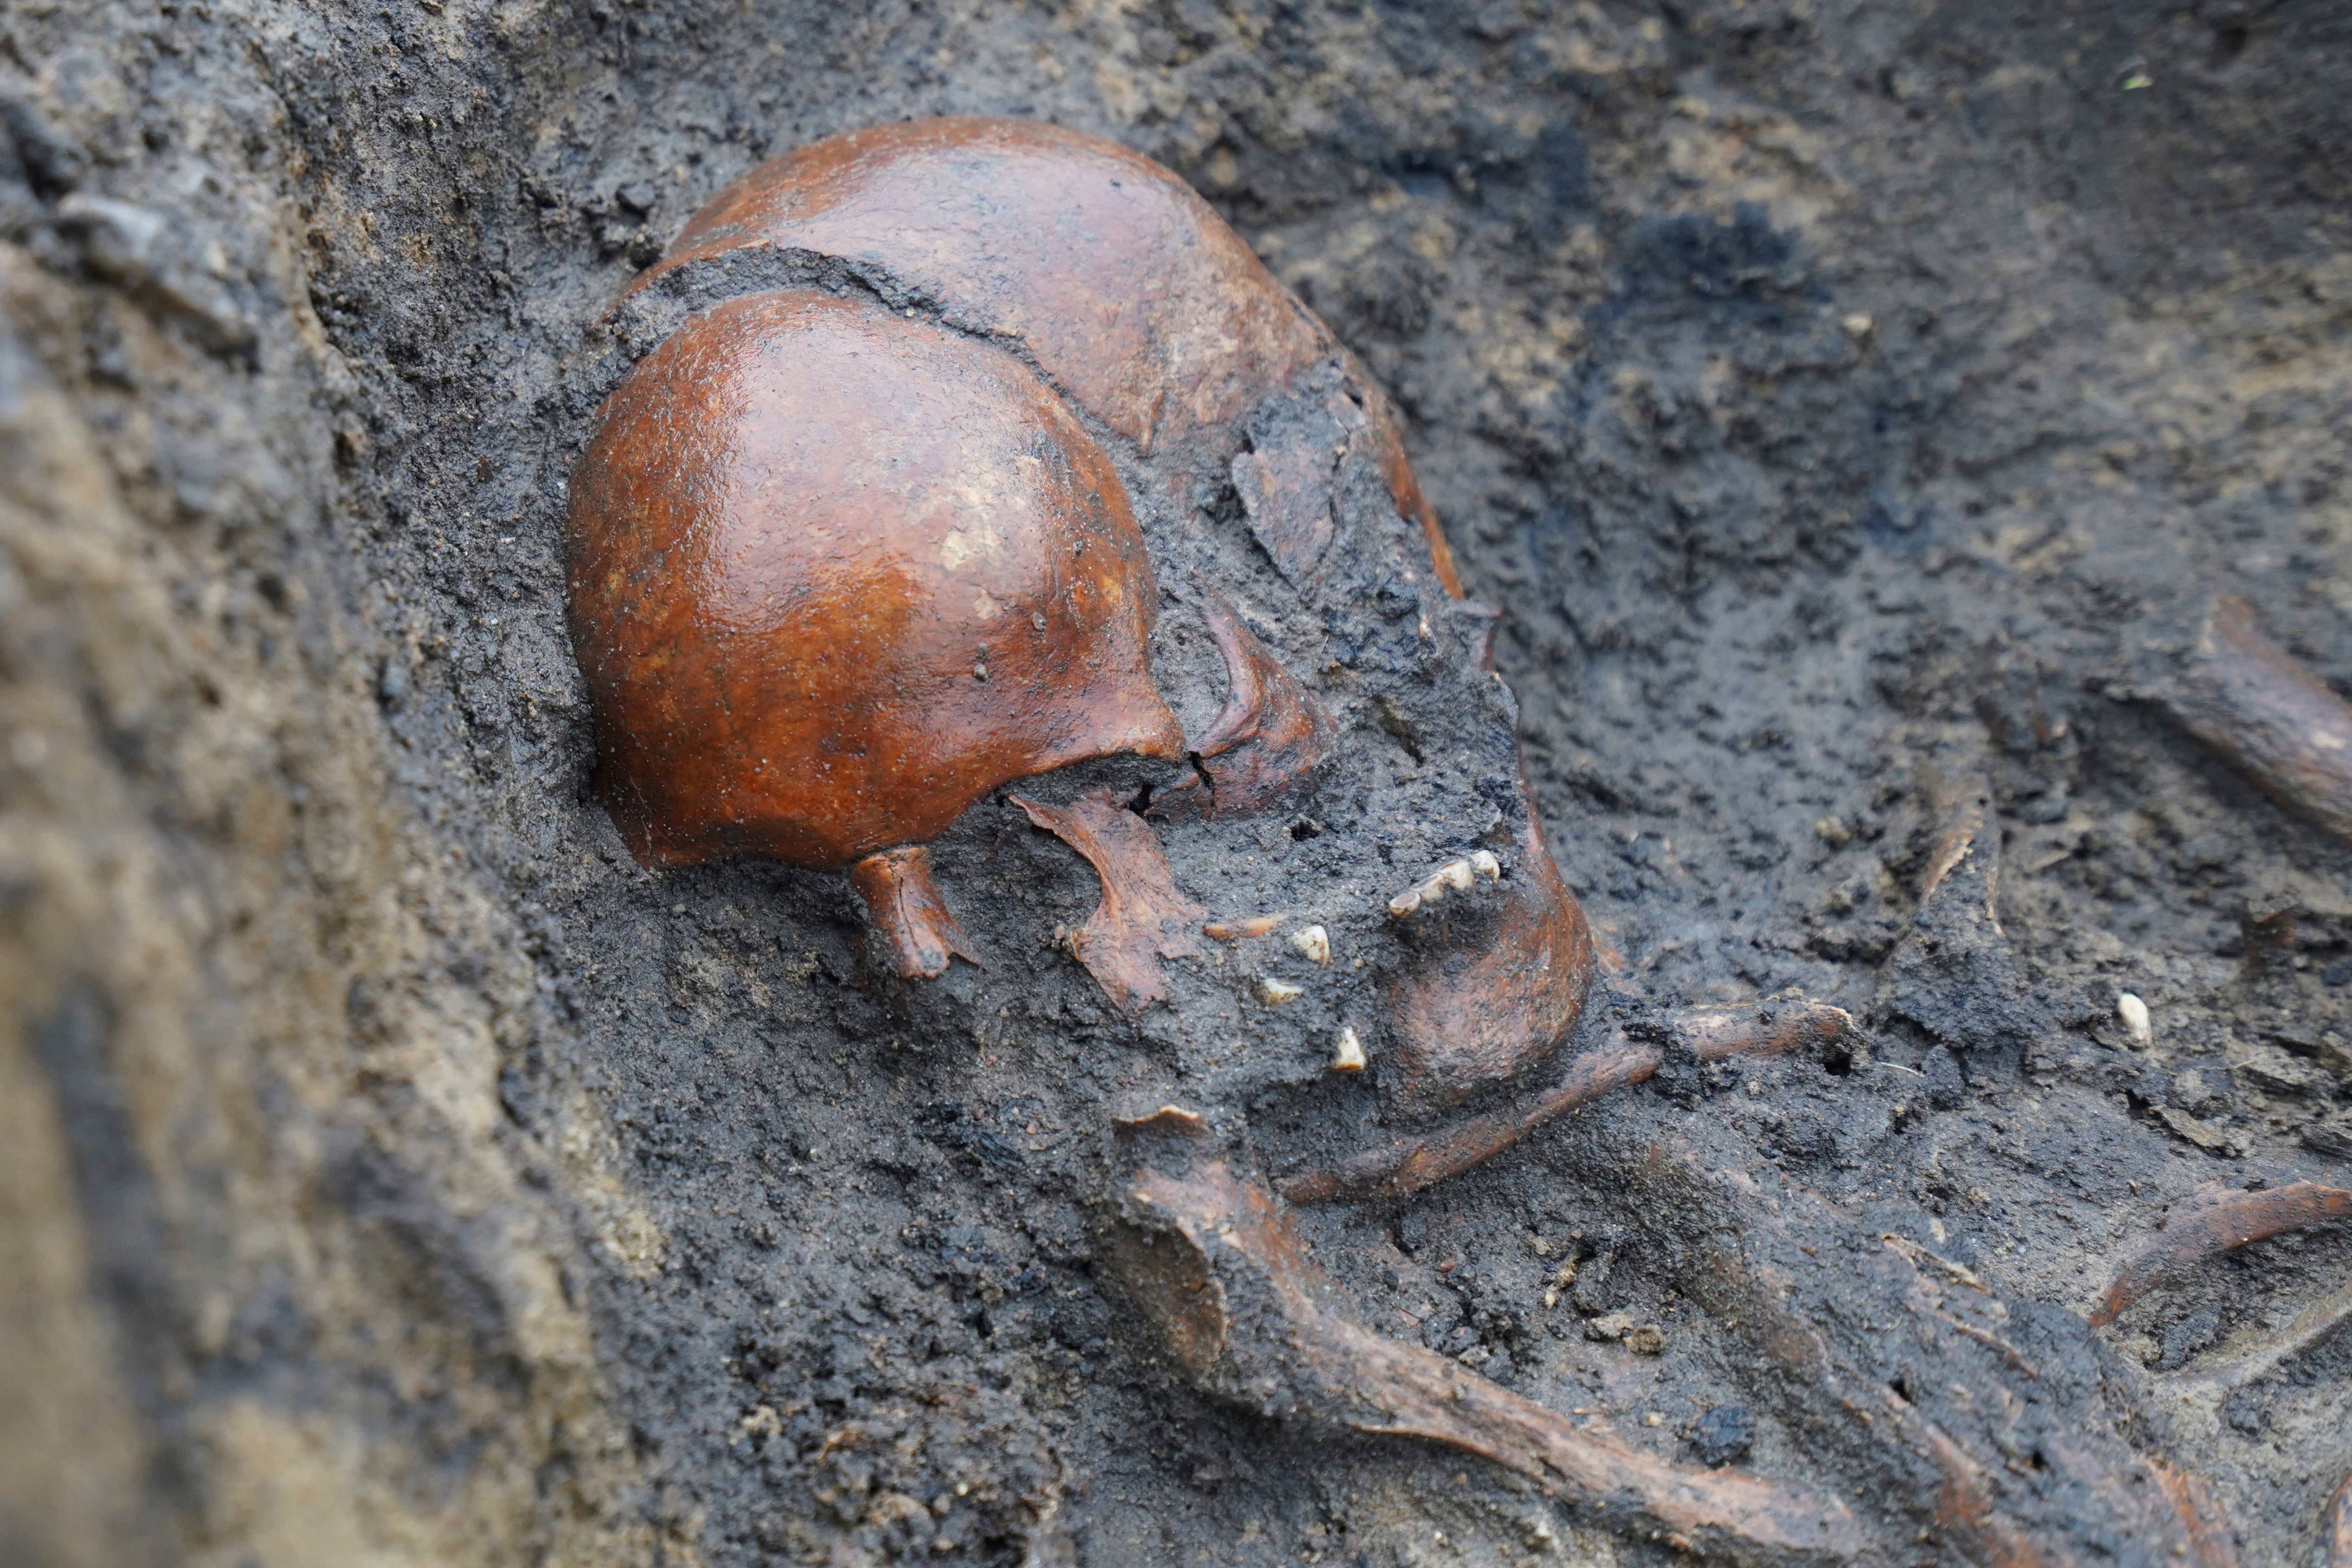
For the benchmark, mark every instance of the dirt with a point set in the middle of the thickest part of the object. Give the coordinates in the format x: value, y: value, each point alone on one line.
x: 1836, y: 402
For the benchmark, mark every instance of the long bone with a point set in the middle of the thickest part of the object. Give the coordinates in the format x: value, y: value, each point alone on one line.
x: 2010, y: 1462
x: 1713, y: 1033
x: 1213, y: 1263
x: 2260, y: 707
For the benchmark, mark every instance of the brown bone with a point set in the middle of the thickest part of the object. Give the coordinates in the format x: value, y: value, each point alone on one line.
x: 1415, y: 1162
x: 2211, y: 1229
x: 2260, y: 707
x: 1142, y: 916
x: 1215, y: 1266
x: 834, y: 575
x: 905, y: 902
x: 1465, y: 1021
x: 1273, y: 735
x: 1117, y: 278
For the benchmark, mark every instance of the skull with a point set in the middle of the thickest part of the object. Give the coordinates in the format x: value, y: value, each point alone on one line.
x: 842, y: 565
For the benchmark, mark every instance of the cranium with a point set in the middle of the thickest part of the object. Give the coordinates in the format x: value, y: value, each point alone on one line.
x: 955, y: 330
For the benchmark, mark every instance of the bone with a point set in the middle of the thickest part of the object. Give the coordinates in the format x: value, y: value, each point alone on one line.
x: 1462, y: 1022
x: 1142, y: 916
x: 1314, y: 944
x: 2257, y: 705
x: 1935, y: 1409
x: 1214, y: 1266
x: 2336, y: 1521
x: 906, y: 907
x: 1347, y: 1054
x: 812, y: 693
x: 2313, y: 1327
x: 1413, y: 1163
x: 1128, y: 291
x: 2211, y: 1229
x: 1274, y: 735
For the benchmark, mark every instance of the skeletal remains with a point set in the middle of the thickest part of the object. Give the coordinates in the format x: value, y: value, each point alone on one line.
x: 853, y: 549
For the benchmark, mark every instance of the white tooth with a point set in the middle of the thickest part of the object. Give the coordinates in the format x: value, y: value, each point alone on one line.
x: 1349, y: 1056
x: 1404, y: 903
x: 1275, y: 992
x: 1486, y: 866
x: 1314, y: 942
x: 2134, y: 1012
x: 1454, y: 874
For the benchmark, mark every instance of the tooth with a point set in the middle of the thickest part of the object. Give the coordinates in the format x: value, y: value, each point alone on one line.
x: 1275, y: 992
x: 1234, y: 930
x: 1349, y: 1055
x: 1454, y: 874
x: 1404, y: 903
x: 1315, y: 942
x: 1486, y: 866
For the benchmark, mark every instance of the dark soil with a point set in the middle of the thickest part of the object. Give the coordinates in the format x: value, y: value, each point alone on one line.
x: 1832, y: 399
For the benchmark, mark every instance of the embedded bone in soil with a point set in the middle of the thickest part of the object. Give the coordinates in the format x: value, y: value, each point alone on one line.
x: 1490, y: 998
x: 1125, y: 288
x: 1214, y: 1266
x: 1412, y: 1163
x: 1273, y: 735
x: 2192, y: 1235
x: 1142, y: 916
x: 2255, y: 704
x: 793, y: 449
x: 2337, y: 1523
x: 904, y: 901
x: 1928, y: 1416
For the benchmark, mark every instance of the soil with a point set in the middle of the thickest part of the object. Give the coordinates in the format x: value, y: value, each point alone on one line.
x: 1835, y: 401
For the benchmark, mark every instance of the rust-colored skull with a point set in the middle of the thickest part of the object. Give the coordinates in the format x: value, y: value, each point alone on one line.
x: 1126, y: 290
x: 835, y: 574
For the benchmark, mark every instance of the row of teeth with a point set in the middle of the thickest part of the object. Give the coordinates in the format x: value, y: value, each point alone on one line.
x: 1458, y: 875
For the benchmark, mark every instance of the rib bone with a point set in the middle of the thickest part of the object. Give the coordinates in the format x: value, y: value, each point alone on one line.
x: 2211, y: 1229
x: 2256, y: 704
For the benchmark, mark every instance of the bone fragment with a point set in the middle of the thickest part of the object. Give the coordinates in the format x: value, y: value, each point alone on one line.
x: 1142, y: 915
x: 1411, y: 1163
x: 1274, y: 734
x: 2134, y: 1012
x: 1237, y: 931
x: 2211, y: 1229
x: 2256, y: 704
x: 2313, y: 1327
x: 2337, y: 1523
x: 1348, y: 1056
x: 1416, y: 1161
x: 1492, y: 997
x: 1213, y: 1265
x: 1935, y: 1411
x: 906, y: 907
x: 1276, y: 993
x: 1314, y: 944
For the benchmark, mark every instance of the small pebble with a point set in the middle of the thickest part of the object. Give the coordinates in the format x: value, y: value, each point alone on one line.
x: 2337, y: 974
x: 1647, y: 1340
x: 2134, y: 1012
